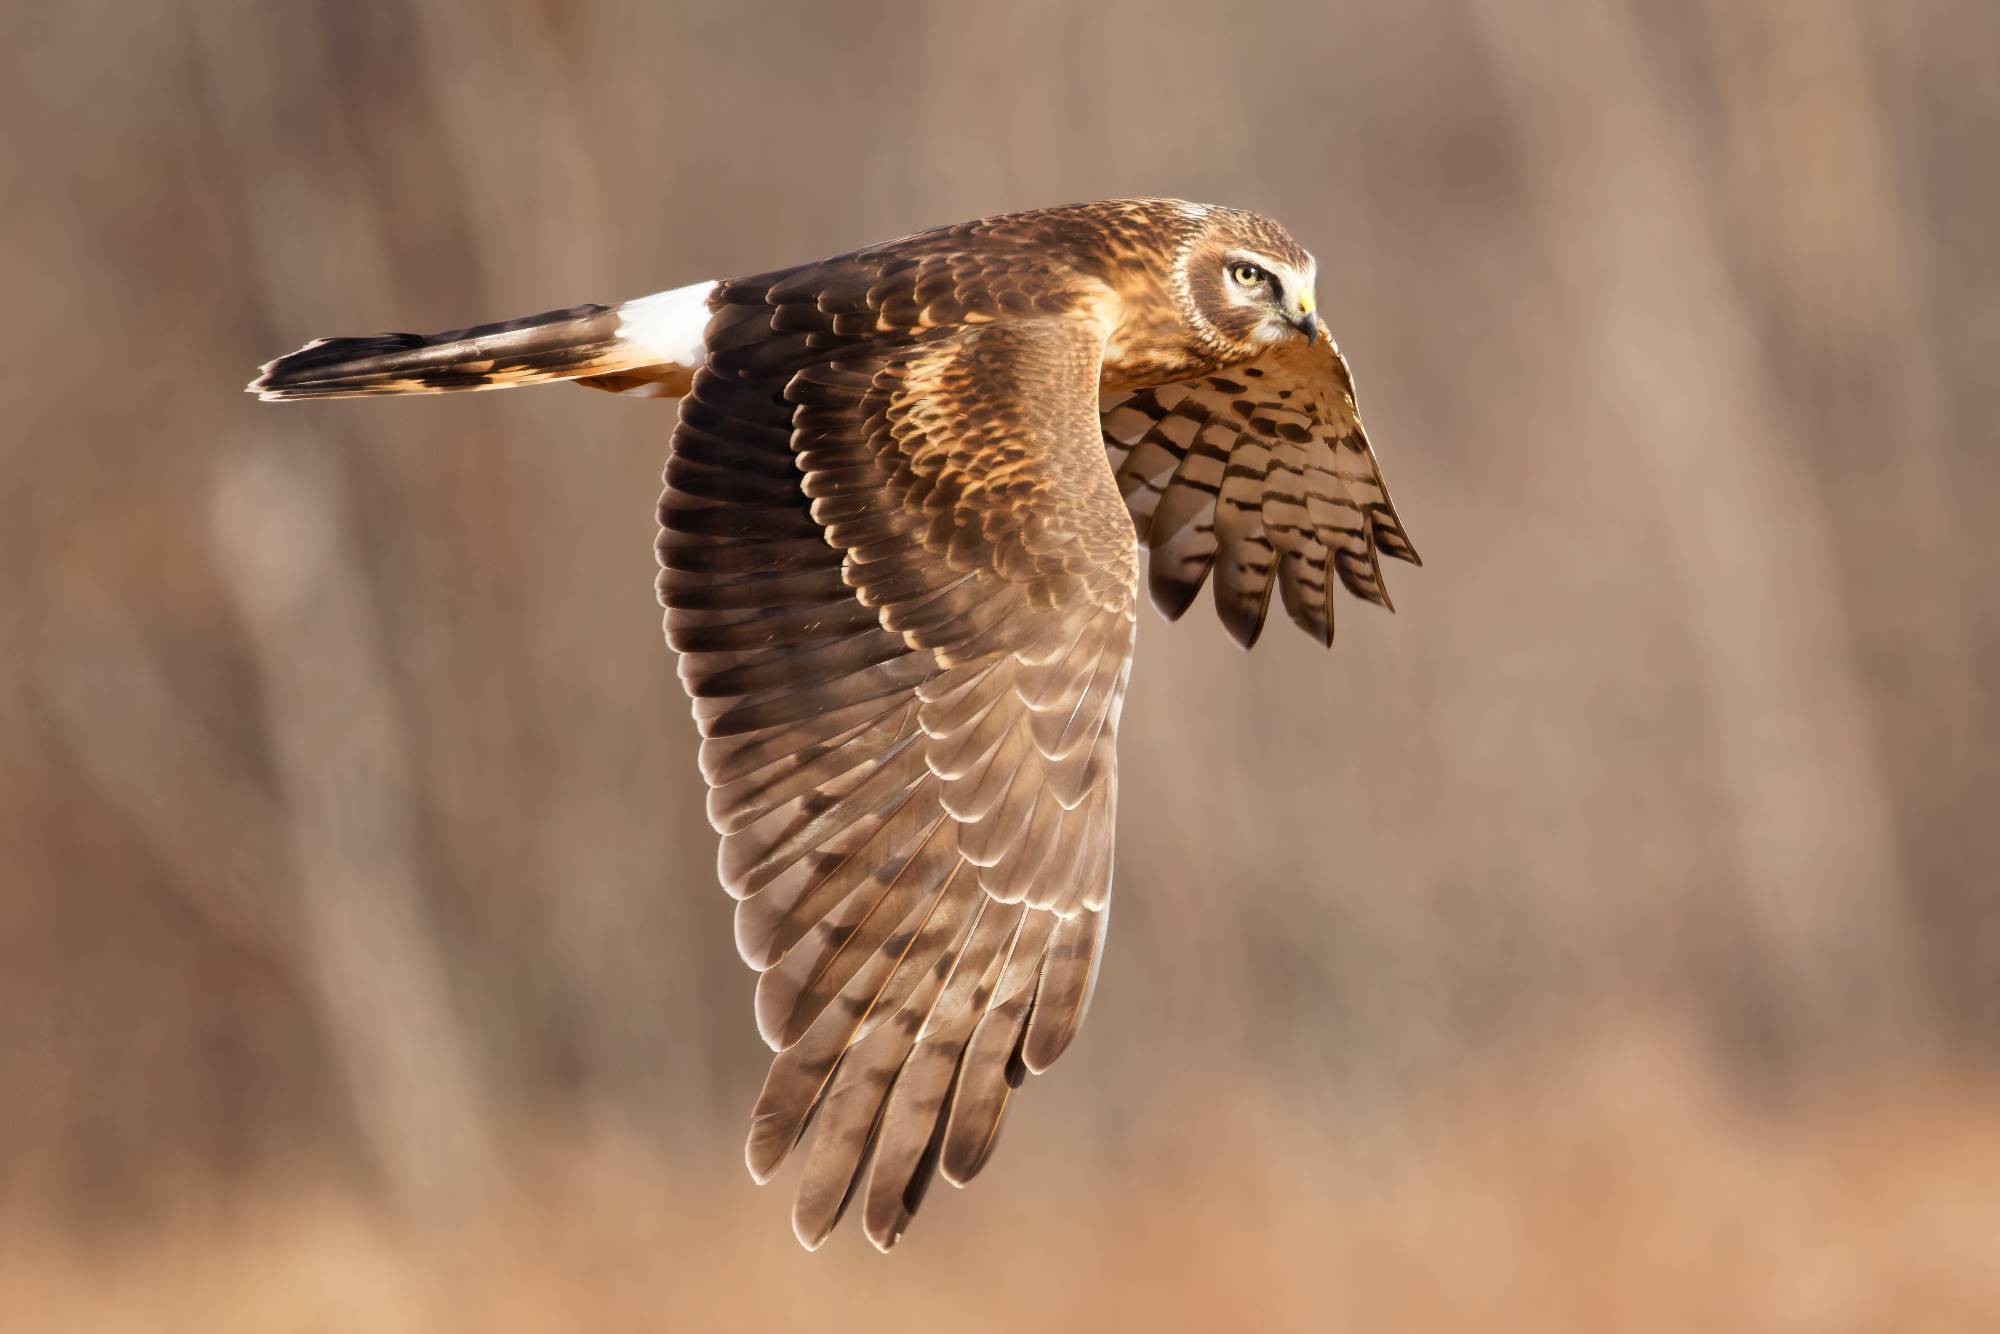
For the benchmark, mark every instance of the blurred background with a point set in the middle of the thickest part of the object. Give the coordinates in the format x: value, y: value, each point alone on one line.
x: 1608, y: 940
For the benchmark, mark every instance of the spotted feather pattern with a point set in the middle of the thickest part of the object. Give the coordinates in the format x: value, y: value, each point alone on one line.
x: 1261, y: 475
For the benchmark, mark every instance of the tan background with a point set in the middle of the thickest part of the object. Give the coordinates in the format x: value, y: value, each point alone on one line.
x: 1609, y: 940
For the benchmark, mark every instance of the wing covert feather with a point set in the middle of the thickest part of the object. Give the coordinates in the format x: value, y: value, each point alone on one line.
x: 1261, y: 473
x: 902, y: 582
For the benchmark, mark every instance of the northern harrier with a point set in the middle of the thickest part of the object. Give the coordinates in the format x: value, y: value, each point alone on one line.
x: 900, y: 546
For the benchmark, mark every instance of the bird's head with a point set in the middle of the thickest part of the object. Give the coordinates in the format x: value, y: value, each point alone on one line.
x: 1247, y: 283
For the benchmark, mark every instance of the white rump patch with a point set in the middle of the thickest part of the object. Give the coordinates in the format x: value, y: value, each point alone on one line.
x: 668, y: 326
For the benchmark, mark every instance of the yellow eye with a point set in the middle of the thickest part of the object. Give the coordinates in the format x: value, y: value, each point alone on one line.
x: 1246, y: 274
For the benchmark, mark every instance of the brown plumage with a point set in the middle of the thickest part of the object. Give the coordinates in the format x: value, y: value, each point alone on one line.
x: 900, y: 548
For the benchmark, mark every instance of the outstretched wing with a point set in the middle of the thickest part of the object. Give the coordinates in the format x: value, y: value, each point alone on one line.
x: 902, y: 583
x: 1256, y: 471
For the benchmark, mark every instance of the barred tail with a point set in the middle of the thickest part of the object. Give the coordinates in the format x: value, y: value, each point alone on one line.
x: 649, y: 346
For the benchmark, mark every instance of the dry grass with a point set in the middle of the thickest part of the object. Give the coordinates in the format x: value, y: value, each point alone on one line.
x: 360, y: 947
x: 1624, y: 1192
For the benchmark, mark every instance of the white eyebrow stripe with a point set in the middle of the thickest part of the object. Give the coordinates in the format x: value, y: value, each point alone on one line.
x: 1260, y: 260
x: 1290, y: 280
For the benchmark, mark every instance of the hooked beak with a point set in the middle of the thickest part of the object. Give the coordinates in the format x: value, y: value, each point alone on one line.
x: 1306, y: 321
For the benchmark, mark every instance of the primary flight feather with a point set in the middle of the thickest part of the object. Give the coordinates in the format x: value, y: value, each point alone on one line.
x: 906, y: 506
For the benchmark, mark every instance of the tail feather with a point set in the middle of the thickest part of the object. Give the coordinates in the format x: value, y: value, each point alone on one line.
x: 649, y: 346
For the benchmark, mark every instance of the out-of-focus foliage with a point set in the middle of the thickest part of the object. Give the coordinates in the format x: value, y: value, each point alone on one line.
x: 1611, y: 937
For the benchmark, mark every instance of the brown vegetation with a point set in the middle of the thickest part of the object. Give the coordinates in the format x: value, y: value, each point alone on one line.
x: 1607, y: 942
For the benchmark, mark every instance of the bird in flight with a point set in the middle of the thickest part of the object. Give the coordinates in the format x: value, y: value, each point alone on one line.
x: 908, y: 501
